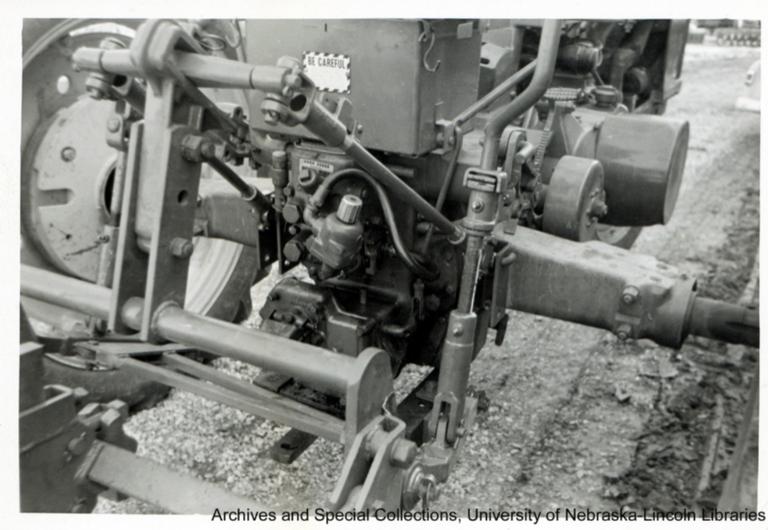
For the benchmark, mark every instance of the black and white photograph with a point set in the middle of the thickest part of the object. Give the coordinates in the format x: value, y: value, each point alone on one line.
x: 321, y: 269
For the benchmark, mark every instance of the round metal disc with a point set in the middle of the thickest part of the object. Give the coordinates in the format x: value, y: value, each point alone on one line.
x: 574, y: 186
x: 66, y: 165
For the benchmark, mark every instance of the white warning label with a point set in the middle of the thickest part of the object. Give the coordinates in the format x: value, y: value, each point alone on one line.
x: 329, y: 71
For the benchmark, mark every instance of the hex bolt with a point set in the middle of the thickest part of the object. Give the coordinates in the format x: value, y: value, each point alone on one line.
x: 68, y: 154
x: 402, y: 453
x: 113, y: 124
x: 623, y: 331
x: 630, y: 294
x: 598, y: 209
x: 120, y: 406
x: 208, y: 150
x: 428, y: 490
x: 478, y: 206
x: 458, y: 330
x: 181, y: 247
x: 77, y: 446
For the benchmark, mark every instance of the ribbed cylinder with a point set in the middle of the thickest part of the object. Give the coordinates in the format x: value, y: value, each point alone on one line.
x: 349, y: 209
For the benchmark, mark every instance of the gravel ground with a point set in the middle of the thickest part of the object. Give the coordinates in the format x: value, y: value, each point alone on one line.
x: 576, y: 419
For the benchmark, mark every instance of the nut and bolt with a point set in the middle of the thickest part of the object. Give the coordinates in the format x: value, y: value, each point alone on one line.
x: 478, y: 206
x: 458, y: 330
x: 68, y: 154
x: 598, y: 209
x: 630, y: 294
x: 208, y: 150
x: 113, y: 124
x: 623, y: 331
x: 181, y: 247
x: 402, y: 453
x: 78, y: 446
x: 427, y: 490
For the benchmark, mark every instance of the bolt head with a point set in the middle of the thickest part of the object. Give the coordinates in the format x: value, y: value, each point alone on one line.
x: 113, y: 124
x: 630, y: 294
x: 68, y: 154
x: 458, y: 330
x: 623, y: 331
x: 403, y: 453
x: 181, y: 247
x: 478, y: 206
x: 78, y: 446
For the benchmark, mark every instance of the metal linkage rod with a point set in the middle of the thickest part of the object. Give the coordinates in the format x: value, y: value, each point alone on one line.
x: 247, y: 192
x: 206, y: 71
x: 151, y: 482
x: 203, y: 70
x: 331, y: 131
x: 65, y: 291
x: 505, y: 86
x: 329, y: 371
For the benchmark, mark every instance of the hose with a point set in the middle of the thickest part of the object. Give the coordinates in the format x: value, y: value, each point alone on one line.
x: 447, y: 179
x: 412, y: 262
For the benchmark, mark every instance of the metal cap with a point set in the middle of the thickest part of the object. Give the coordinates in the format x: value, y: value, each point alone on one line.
x: 349, y: 209
x: 606, y: 95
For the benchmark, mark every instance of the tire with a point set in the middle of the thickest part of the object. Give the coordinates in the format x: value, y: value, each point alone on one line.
x: 226, y: 298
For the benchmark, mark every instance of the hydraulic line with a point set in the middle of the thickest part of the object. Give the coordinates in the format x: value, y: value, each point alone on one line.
x: 318, y: 198
x: 447, y: 179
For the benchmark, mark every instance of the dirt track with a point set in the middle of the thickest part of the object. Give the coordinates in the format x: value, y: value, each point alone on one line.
x: 576, y: 419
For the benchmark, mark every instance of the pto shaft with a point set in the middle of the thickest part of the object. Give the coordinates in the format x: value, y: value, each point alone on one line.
x: 723, y: 321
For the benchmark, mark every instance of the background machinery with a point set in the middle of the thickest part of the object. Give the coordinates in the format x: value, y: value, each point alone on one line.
x: 428, y: 174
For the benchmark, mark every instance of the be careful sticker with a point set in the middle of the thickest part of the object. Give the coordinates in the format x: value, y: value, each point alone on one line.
x: 329, y: 71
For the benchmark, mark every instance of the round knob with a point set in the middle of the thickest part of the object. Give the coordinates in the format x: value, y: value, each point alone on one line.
x: 349, y: 209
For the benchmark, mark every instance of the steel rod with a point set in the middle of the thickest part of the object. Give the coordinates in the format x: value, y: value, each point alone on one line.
x: 333, y: 133
x: 725, y: 321
x: 542, y: 77
x: 486, y: 101
x: 327, y: 370
x: 245, y: 397
x: 151, y: 482
x: 65, y: 291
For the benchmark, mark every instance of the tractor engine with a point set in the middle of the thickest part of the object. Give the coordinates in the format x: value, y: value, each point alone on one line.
x: 428, y: 175
x: 588, y: 161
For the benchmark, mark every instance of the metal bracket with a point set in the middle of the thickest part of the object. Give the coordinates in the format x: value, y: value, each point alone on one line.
x: 374, y: 470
